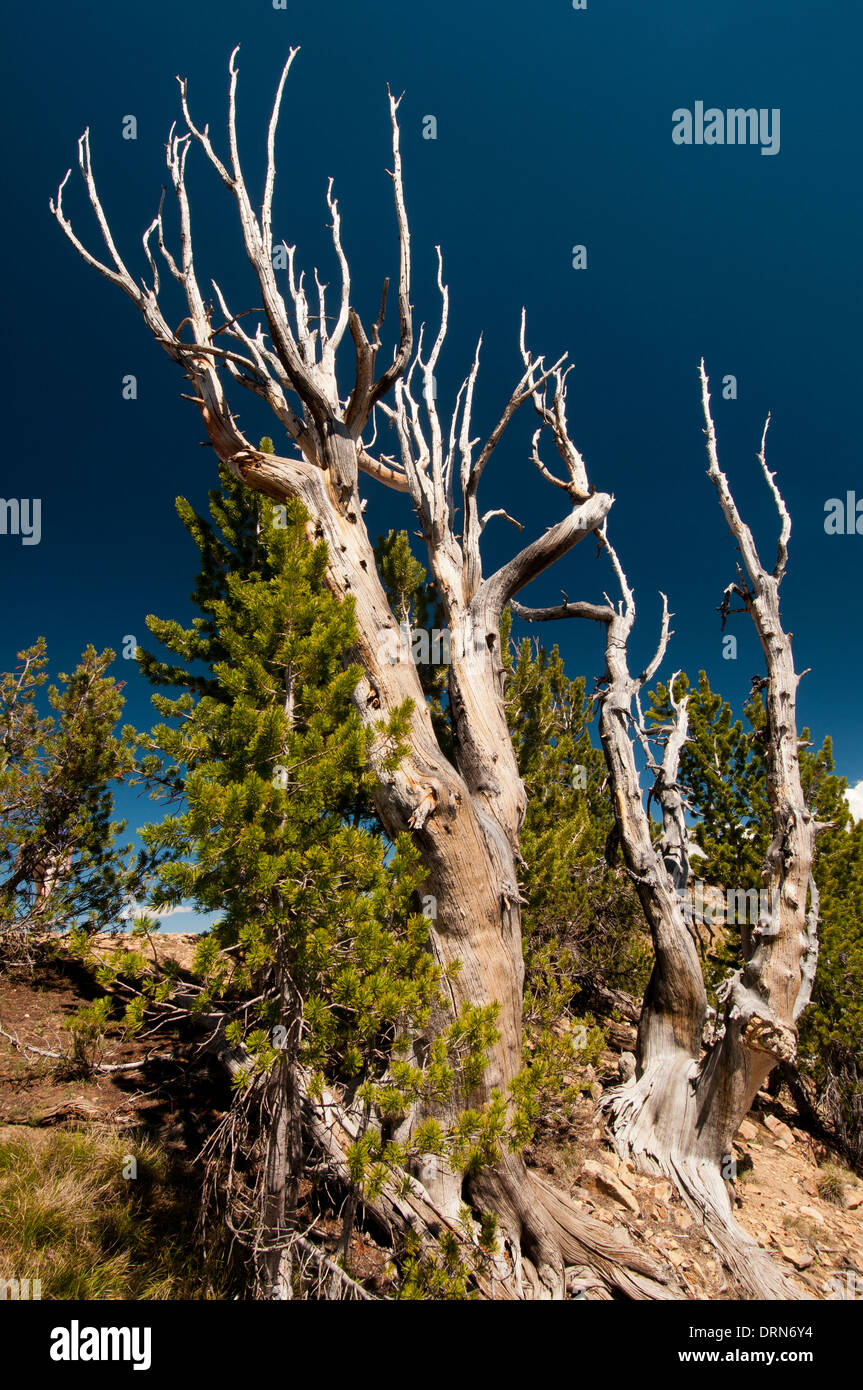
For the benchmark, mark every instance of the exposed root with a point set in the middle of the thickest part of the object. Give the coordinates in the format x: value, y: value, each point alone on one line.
x: 540, y: 1231
x: 544, y: 1232
x: 663, y: 1148
x: 584, y: 1241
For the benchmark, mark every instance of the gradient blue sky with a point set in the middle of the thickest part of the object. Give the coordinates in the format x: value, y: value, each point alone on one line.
x: 554, y: 129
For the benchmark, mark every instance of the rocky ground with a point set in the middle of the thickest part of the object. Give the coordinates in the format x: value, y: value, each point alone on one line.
x: 792, y: 1194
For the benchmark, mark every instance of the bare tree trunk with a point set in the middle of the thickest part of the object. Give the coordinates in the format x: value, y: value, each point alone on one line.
x: 464, y: 815
x: 282, y: 1121
x: 679, y: 1114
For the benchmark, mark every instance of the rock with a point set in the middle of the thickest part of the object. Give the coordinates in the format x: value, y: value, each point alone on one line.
x: 778, y: 1129
x: 662, y: 1192
x: 595, y: 1090
x: 626, y: 1066
x: 798, y: 1258
x: 747, y: 1131
x: 605, y: 1181
x: 854, y: 1199
x: 811, y: 1214
x: 683, y: 1220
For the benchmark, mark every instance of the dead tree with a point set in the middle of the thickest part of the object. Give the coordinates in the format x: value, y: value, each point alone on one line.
x: 464, y: 814
x: 680, y: 1112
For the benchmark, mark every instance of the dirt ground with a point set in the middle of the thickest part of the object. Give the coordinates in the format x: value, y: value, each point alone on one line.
x: 792, y: 1195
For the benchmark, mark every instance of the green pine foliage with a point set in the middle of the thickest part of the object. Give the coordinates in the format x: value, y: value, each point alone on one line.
x: 722, y: 769
x: 414, y: 601
x: 581, y: 921
x: 582, y: 929
x: 61, y: 866
x: 266, y: 768
x: 831, y: 1029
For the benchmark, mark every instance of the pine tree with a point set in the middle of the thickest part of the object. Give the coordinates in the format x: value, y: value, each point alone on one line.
x: 831, y: 1030
x: 581, y: 922
x: 722, y: 768
x: 60, y: 865
x: 319, y: 962
x: 584, y: 945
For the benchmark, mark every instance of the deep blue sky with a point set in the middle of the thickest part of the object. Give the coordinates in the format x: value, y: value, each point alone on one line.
x: 554, y: 128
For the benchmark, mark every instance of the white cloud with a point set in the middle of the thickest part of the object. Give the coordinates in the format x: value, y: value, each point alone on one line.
x: 854, y: 797
x: 185, y: 918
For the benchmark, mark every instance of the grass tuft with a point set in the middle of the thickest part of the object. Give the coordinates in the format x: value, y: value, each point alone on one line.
x: 69, y: 1217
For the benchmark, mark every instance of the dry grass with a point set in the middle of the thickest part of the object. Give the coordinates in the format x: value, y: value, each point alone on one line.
x: 69, y: 1217
x: 832, y: 1183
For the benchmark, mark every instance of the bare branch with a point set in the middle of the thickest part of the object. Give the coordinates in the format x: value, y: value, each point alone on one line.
x: 402, y: 356
x: 784, y: 516
x: 499, y: 511
x: 546, y: 473
x: 269, y: 183
x: 596, y: 612
x: 119, y: 276
x: 739, y: 529
x: 331, y: 342
x: 390, y: 475
x: 555, y: 419
x: 653, y: 666
x: 535, y: 558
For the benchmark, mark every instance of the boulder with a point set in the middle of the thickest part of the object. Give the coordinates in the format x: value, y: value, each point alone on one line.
x: 605, y: 1181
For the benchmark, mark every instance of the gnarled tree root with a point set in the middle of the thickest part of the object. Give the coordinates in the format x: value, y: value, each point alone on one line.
x: 541, y: 1232
x: 642, y: 1132
x: 544, y: 1232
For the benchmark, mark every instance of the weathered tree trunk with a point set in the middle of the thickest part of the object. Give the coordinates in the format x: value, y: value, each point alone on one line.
x: 281, y: 1119
x: 679, y: 1114
x: 464, y: 815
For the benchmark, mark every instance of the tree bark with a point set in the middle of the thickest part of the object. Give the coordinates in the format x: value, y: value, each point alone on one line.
x: 679, y: 1114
